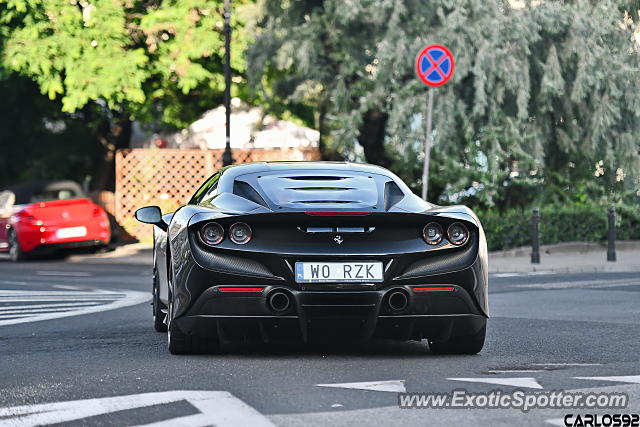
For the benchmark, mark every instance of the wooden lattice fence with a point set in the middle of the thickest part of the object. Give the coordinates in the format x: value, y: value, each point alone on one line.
x: 168, y: 177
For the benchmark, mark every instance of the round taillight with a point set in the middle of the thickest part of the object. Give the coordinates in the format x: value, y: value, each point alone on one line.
x: 240, y: 233
x: 458, y: 234
x: 432, y: 233
x: 212, y: 234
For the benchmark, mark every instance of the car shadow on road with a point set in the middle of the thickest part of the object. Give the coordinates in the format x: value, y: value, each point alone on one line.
x: 382, y: 348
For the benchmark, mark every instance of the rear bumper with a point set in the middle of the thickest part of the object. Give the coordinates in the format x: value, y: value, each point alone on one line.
x: 356, y: 311
x: 311, y: 315
x: 45, y: 238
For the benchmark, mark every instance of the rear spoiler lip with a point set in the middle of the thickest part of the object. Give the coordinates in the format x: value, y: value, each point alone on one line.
x: 213, y: 215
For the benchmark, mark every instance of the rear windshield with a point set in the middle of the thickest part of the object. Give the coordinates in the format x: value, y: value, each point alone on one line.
x: 58, y: 194
x: 320, y: 189
x: 35, y: 192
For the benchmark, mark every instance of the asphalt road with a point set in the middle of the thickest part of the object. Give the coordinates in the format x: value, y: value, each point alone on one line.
x: 547, y: 332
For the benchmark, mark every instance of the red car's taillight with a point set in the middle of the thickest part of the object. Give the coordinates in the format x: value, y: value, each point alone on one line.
x: 101, y: 214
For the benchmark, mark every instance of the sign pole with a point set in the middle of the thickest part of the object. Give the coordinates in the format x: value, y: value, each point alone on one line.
x: 227, y: 158
x: 434, y: 67
x: 427, y: 145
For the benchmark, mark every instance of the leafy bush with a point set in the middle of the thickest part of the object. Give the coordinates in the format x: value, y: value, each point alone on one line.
x: 569, y: 223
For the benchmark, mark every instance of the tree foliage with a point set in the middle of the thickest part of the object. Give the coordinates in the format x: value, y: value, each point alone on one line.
x: 544, y: 93
x: 39, y: 141
x: 138, y: 57
x: 112, y: 61
x: 543, y: 106
x: 572, y: 222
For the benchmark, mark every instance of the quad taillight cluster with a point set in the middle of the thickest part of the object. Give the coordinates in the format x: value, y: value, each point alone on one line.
x: 213, y: 234
x: 457, y: 233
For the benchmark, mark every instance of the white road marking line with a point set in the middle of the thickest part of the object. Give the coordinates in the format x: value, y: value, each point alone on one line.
x: 217, y: 408
x: 13, y: 296
x: 69, y: 304
x: 506, y: 371
x: 556, y: 422
x: 45, y: 299
x: 526, y: 382
x: 65, y: 294
x: 566, y: 364
x: 507, y: 275
x: 13, y: 283
x: 5, y: 313
x: 102, y: 301
x: 58, y: 294
x: 631, y: 379
x: 9, y: 292
x: 393, y: 386
x: 15, y: 316
x: 64, y: 273
x: 75, y: 288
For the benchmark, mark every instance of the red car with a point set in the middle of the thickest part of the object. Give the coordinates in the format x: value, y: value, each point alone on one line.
x: 41, y: 217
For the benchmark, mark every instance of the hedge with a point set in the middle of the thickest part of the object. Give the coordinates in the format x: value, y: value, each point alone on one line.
x: 572, y: 223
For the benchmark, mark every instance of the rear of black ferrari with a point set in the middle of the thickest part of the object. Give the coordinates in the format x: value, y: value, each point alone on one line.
x: 330, y: 256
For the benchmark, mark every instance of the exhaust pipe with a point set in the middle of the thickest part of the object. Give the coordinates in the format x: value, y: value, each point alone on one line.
x: 279, y: 301
x: 398, y: 300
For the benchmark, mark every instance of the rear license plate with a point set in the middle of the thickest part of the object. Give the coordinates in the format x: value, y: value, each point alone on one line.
x: 69, y: 232
x: 331, y: 272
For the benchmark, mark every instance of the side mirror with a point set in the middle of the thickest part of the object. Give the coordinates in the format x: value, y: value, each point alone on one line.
x: 151, y: 215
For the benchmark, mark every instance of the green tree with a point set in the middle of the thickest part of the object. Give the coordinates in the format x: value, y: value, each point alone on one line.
x: 543, y: 98
x: 38, y: 140
x: 156, y: 61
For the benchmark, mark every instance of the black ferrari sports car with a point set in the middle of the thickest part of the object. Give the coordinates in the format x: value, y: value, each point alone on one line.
x: 309, y: 250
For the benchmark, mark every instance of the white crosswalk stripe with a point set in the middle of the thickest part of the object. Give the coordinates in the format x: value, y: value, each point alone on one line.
x: 22, y: 306
x: 217, y: 408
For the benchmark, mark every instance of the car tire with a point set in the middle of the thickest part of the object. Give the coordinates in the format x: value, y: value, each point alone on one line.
x: 466, y: 344
x: 181, y: 343
x: 157, y: 306
x: 177, y: 341
x: 15, y: 252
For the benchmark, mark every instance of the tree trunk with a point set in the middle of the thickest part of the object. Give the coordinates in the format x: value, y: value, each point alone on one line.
x: 371, y: 137
x: 118, y: 138
x: 322, y: 142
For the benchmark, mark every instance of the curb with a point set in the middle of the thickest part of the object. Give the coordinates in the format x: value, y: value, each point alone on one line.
x: 568, y: 247
x: 569, y: 257
x: 541, y: 269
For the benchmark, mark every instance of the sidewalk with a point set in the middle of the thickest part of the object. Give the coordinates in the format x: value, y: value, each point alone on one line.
x: 568, y: 258
x: 136, y: 253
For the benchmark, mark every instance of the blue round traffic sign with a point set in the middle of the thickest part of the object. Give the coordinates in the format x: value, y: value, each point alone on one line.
x: 434, y: 65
